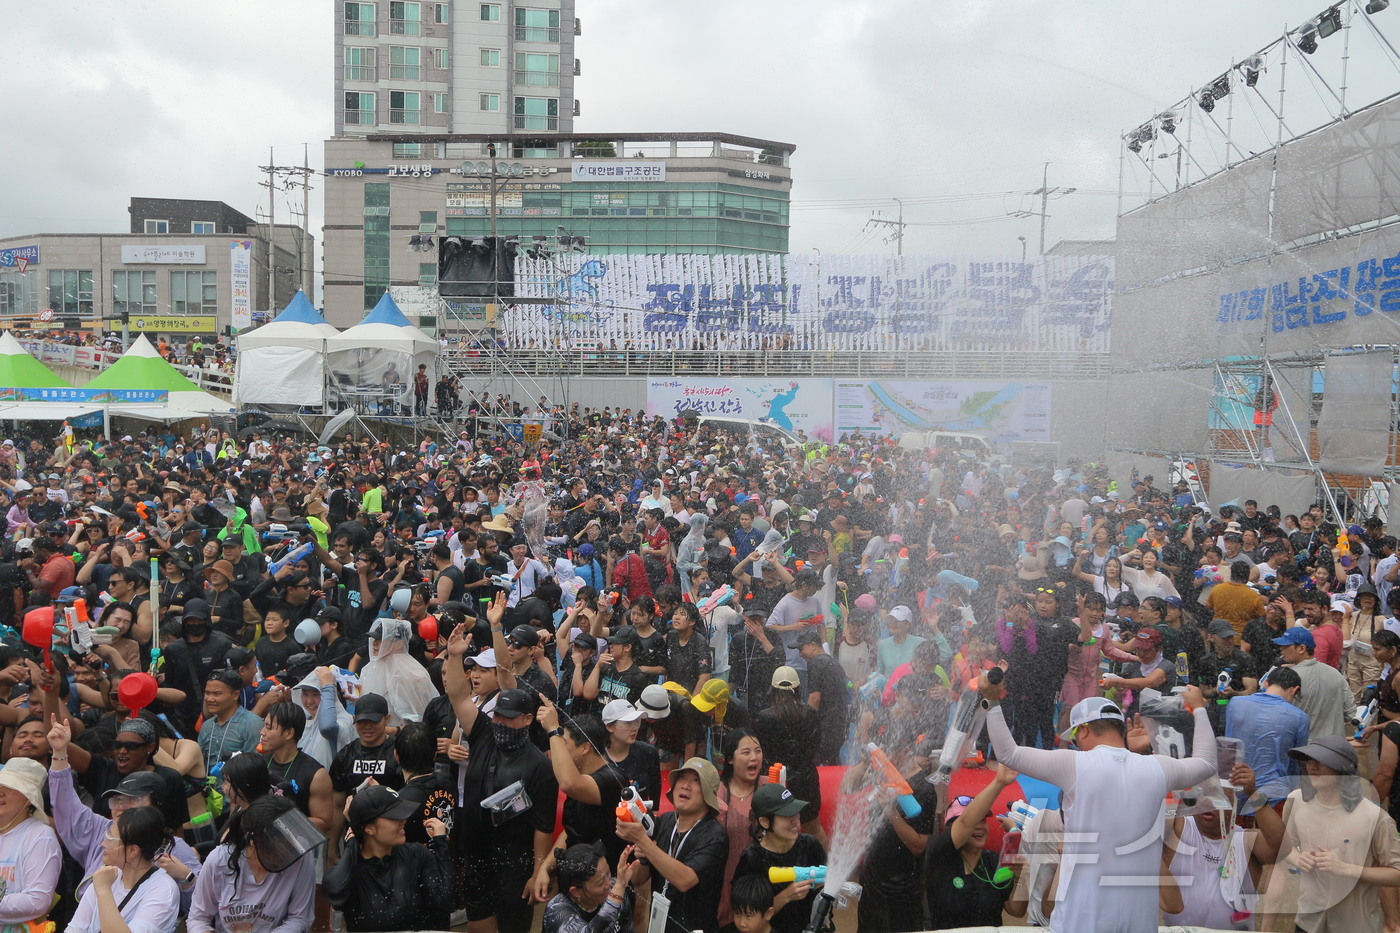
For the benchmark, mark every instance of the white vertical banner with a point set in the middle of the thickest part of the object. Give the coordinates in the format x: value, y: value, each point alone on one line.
x: 241, y: 277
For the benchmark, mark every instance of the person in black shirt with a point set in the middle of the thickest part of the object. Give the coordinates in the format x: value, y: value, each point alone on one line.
x: 432, y: 792
x: 300, y: 776
x: 334, y: 649
x: 190, y: 659
x: 591, y: 784
x: 276, y: 645
x: 510, y: 841
x: 892, y: 874
x: 964, y: 886
x: 369, y: 756
x: 752, y: 660
x: 782, y: 844
x: 686, y: 855
x: 380, y: 882
x: 450, y: 584
x: 639, y: 762
x: 827, y: 692
x: 786, y: 731
x: 574, y: 668
x: 618, y: 675
x: 689, y: 658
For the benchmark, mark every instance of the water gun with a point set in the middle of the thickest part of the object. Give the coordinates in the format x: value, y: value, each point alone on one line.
x: 1222, y: 683
x: 1021, y: 813
x: 1366, y: 713
x: 777, y: 774
x: 815, y: 619
x: 871, y: 690
x: 968, y: 719
x: 631, y: 808
x: 895, y: 781
x: 813, y: 873
x: 503, y: 581
x: 301, y: 553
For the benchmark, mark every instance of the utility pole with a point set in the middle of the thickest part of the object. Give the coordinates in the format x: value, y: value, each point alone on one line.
x: 306, y: 262
x: 1045, y: 191
x: 897, y: 223
x: 304, y: 276
x: 271, y: 186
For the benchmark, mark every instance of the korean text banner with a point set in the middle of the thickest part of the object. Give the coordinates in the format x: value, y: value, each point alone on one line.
x: 824, y: 303
x: 997, y: 411
x: 803, y: 405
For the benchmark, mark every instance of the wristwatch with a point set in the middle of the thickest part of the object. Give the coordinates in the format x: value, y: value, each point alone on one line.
x: 553, y: 732
x: 187, y: 880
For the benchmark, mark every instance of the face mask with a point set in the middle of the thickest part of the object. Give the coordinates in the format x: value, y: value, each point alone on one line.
x: 509, y: 739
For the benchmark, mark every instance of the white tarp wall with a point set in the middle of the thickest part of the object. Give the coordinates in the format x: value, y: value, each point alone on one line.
x: 280, y: 376
x: 1353, y: 433
x: 1292, y: 491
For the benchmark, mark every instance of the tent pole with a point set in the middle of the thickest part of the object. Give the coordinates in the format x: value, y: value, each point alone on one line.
x: 107, y: 421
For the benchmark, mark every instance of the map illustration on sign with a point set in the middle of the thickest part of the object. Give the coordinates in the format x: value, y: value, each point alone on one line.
x: 997, y: 411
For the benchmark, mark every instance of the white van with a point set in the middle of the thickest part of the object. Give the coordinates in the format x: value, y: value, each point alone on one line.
x: 765, y: 433
x: 968, y: 445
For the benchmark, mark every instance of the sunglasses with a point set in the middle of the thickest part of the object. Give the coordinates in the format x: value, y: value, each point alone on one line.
x: 962, y: 800
x: 129, y: 746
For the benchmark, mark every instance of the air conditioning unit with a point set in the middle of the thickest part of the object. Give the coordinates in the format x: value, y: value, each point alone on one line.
x: 577, y: 110
x: 578, y: 26
x: 578, y: 68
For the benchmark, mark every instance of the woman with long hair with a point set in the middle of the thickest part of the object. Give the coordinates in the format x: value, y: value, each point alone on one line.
x: 1149, y: 581
x: 130, y: 891
x: 258, y: 873
x: 1358, y: 632
x: 787, y: 730
x: 1108, y: 583
x: 742, y: 774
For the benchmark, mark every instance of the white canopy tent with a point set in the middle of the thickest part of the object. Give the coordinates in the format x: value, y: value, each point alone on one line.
x: 371, y: 365
x: 283, y: 362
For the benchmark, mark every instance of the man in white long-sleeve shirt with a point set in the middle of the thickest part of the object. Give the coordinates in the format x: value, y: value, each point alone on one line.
x: 1113, y: 802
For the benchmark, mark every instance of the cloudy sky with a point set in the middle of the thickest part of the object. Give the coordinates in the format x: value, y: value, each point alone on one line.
x: 951, y: 107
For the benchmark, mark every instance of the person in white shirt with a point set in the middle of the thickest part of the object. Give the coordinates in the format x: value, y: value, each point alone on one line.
x: 30, y: 857
x: 146, y: 898
x: 1112, y: 802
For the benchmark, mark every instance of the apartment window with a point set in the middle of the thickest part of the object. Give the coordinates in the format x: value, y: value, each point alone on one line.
x: 442, y: 58
x: 491, y: 102
x: 408, y: 150
x: 359, y: 19
x: 359, y: 108
x: 360, y: 65
x: 490, y: 12
x: 490, y: 58
x: 536, y: 25
x: 194, y: 292
x: 134, y: 292
x: 203, y: 226
x: 440, y: 102
x: 427, y: 273
x: 442, y: 13
x: 404, y: 19
x: 537, y: 113
x: 70, y: 292
x: 534, y: 69
x: 157, y: 226
x: 404, y: 63
x: 403, y: 107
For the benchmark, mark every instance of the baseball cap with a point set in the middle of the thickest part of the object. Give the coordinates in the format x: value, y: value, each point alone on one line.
x: 902, y: 613
x: 655, y: 702
x: 1090, y: 710
x: 1297, y: 635
x: 376, y: 802
x: 585, y: 640
x: 514, y: 702
x: 196, y: 609
x: 785, y: 677
x: 524, y: 636
x: 624, y: 635
x: 371, y: 707
x: 620, y: 710
x: 140, y: 784
x: 68, y: 594
x: 1220, y: 629
x: 776, y: 800
x: 1125, y: 599
x: 486, y: 658
x: 1172, y: 601
x: 712, y: 694
x: 809, y: 636
x: 1148, y: 638
x: 586, y: 551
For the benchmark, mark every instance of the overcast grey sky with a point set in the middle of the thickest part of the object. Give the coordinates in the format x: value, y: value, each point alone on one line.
x: 902, y: 98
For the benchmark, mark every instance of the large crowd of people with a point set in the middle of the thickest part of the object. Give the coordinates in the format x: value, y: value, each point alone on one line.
x: 624, y: 680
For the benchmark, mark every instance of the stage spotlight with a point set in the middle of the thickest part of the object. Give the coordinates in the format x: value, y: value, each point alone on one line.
x: 1375, y: 6
x: 1307, y: 37
x: 1168, y: 119
x: 1253, y: 66
x: 1134, y: 144
x: 1329, y: 22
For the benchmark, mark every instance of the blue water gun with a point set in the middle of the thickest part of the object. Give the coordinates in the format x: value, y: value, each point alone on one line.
x: 301, y: 553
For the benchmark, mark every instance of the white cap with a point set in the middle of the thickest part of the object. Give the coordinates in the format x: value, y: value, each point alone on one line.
x: 655, y: 702
x: 1089, y: 710
x: 902, y: 613
x: 620, y: 710
x: 487, y: 658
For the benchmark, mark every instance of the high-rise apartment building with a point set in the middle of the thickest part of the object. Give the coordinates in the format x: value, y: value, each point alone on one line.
x: 462, y: 66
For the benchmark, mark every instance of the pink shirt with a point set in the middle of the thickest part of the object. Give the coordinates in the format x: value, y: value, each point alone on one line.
x: 1328, y: 639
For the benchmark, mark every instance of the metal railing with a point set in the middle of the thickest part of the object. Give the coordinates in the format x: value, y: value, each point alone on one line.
x: 53, y: 353
x: 537, y: 78
x: 403, y: 27
x: 361, y: 73
x: 536, y: 34
x: 903, y: 365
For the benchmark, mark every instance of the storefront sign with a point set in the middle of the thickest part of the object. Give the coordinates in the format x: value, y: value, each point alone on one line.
x: 19, y: 256
x: 195, y: 324
x: 163, y: 255
x: 618, y: 170
x: 241, y: 275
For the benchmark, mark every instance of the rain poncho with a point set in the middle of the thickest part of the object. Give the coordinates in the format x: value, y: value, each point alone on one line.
x: 333, y: 727
x: 691, y: 549
x: 394, y: 674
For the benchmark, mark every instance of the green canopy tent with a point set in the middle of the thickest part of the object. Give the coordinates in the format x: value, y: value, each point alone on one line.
x: 142, y: 369
x: 23, y: 380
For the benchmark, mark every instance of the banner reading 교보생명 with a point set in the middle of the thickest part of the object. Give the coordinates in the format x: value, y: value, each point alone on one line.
x: 796, y: 405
